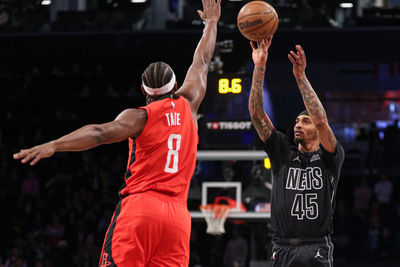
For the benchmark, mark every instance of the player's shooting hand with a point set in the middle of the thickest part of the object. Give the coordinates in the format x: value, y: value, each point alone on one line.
x: 260, y: 53
x: 34, y: 154
x: 211, y: 10
x: 299, y: 61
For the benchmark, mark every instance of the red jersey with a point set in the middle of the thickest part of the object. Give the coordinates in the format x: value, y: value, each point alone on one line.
x: 163, y: 157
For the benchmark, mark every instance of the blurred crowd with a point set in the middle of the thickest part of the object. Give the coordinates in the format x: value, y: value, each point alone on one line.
x: 57, y: 213
x: 367, y: 218
x: 124, y: 15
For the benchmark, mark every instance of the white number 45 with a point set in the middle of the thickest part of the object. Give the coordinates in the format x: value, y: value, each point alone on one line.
x: 305, y: 205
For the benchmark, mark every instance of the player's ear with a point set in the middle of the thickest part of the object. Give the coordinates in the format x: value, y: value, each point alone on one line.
x: 143, y: 91
x: 175, y: 88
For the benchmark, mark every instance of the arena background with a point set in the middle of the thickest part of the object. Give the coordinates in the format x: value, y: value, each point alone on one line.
x: 65, y: 63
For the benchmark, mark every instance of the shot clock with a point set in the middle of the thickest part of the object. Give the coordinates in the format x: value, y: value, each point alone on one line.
x: 227, y: 96
x: 226, y: 121
x: 230, y: 85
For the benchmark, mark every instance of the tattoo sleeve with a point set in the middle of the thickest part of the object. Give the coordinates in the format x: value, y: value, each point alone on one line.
x: 311, y: 101
x: 317, y: 113
x: 260, y: 119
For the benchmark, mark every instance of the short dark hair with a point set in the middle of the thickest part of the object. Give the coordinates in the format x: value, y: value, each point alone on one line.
x: 304, y: 112
x: 157, y: 74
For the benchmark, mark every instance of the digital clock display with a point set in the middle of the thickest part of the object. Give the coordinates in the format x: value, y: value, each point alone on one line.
x: 233, y: 86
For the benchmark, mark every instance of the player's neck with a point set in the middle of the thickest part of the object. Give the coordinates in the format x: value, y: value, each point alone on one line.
x: 308, y: 147
x: 150, y: 99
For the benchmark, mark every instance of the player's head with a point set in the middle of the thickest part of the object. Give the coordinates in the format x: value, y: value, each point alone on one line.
x: 158, y: 79
x: 304, y: 129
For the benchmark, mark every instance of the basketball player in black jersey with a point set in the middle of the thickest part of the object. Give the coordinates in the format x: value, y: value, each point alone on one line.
x: 305, y: 176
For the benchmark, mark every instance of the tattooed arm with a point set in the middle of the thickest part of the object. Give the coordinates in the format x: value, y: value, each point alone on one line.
x: 311, y: 101
x: 260, y: 119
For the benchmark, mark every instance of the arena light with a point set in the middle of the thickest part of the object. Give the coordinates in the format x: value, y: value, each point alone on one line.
x: 46, y: 2
x: 392, y: 107
x: 138, y: 1
x: 346, y: 5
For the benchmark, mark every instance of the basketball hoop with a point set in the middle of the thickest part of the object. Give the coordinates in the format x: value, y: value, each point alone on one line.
x: 215, y: 215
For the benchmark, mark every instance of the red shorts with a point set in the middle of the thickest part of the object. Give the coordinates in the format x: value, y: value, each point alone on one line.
x: 147, y: 230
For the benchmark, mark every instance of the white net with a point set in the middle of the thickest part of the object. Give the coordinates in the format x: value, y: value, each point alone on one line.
x: 215, y: 215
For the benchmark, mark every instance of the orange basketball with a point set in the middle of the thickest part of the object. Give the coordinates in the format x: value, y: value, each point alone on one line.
x: 257, y: 20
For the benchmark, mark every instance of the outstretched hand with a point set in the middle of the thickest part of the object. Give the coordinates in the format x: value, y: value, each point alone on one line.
x: 260, y: 53
x: 299, y: 61
x: 211, y: 10
x: 34, y: 154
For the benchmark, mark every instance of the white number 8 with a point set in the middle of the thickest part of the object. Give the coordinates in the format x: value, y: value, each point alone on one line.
x: 173, y: 153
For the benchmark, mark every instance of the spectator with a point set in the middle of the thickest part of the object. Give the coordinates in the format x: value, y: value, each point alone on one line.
x: 60, y: 255
x: 16, y: 258
x: 390, y: 143
x: 195, y: 249
x: 89, y: 255
x: 227, y: 171
x: 31, y: 185
x: 362, y: 196
x: 385, y: 244
x: 397, y: 231
x: 54, y: 231
x: 373, y: 238
x: 13, y: 182
x: 236, y: 250
x: 373, y: 147
x: 305, y: 14
x: 383, y: 190
x: 362, y: 136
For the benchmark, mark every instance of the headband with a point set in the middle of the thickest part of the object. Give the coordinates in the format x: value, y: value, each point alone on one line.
x: 163, y: 89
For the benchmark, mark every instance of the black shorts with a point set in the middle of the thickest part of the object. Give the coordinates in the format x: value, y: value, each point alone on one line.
x: 299, y: 252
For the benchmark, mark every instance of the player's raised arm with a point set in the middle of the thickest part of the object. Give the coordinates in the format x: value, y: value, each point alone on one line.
x: 195, y: 84
x: 129, y: 123
x: 260, y: 119
x: 311, y: 101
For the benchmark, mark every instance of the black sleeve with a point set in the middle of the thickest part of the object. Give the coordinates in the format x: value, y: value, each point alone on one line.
x: 277, y: 147
x: 334, y: 160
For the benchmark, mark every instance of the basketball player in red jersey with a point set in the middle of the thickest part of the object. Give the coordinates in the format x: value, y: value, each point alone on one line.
x: 151, y: 224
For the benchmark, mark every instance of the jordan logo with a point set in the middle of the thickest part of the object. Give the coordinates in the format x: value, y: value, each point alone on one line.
x: 297, y: 159
x: 173, y: 105
x: 318, y: 255
x: 315, y: 157
x: 104, y: 261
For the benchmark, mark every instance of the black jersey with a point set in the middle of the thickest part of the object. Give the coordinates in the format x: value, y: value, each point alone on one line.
x: 304, y: 188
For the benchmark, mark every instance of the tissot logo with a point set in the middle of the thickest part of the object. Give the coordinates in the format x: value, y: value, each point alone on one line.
x: 215, y: 125
x: 247, y: 23
x: 229, y: 125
